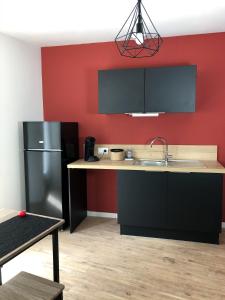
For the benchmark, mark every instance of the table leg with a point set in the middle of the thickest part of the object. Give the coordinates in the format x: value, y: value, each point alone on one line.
x: 77, y: 197
x: 55, y: 249
x: 0, y: 275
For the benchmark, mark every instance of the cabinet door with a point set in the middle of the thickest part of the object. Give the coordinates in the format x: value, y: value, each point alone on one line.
x: 194, y: 201
x: 43, y: 183
x: 142, y: 198
x: 121, y: 91
x: 170, y: 89
x: 77, y: 197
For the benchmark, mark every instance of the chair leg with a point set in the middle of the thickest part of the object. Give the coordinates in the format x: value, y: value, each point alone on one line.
x: 60, y: 297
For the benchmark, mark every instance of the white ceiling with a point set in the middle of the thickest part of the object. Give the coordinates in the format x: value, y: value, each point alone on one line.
x: 60, y: 22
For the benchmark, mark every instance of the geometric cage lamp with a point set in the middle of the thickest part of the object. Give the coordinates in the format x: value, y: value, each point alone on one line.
x: 138, y: 36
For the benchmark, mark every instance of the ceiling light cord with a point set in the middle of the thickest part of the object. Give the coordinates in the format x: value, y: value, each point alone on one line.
x: 139, y: 8
x: 139, y: 26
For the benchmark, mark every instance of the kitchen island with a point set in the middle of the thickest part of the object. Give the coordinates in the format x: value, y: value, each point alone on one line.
x: 180, y: 202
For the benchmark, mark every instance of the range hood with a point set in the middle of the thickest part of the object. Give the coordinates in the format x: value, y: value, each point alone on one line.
x: 152, y: 114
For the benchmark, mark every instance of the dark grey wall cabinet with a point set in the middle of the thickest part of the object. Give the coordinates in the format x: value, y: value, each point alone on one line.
x: 162, y: 89
x: 170, y: 89
x: 140, y: 200
x: 121, y: 91
x: 184, y: 206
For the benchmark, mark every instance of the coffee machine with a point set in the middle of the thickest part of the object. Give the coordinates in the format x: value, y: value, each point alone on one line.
x: 89, y: 149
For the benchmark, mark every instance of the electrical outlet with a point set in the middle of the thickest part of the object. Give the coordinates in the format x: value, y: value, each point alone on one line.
x: 102, y: 150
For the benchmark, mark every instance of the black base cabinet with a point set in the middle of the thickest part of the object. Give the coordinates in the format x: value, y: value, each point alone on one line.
x: 184, y: 206
x: 141, y: 202
x: 194, y: 201
x: 77, y: 197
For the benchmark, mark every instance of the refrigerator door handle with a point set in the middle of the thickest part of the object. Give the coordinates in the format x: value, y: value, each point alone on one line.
x: 44, y: 150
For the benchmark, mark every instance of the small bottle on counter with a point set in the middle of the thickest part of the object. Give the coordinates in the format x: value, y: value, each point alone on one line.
x: 129, y: 154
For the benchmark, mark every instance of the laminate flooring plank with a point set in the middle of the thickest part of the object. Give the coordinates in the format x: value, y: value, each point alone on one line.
x: 97, y: 263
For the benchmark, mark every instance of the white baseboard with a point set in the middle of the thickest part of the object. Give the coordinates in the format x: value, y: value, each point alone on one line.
x: 114, y: 215
x: 101, y: 214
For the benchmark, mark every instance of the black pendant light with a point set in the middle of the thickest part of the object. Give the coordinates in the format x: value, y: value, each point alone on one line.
x: 138, y: 37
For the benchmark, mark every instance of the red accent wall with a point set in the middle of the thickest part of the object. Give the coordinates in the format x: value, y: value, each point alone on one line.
x: 70, y: 89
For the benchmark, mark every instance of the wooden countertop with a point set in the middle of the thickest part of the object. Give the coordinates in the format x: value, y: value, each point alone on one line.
x: 208, y: 166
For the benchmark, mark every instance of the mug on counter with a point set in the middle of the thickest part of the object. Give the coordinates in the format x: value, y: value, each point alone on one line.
x: 117, y: 154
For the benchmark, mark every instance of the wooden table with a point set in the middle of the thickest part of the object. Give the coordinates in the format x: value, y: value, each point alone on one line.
x: 53, y: 230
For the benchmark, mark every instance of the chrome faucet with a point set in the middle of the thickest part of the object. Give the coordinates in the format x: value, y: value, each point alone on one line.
x: 164, y: 142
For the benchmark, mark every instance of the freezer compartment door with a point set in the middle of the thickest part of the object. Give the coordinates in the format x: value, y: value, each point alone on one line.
x: 43, y: 183
x: 42, y: 135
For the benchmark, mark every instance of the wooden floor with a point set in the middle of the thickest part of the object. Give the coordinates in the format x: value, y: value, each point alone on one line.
x: 97, y: 263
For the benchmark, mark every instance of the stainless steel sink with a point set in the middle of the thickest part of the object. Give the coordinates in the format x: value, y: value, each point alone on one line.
x: 192, y: 163
x: 153, y: 163
x: 171, y: 163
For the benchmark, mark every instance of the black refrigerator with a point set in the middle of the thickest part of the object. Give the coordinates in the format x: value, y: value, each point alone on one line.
x: 48, y: 148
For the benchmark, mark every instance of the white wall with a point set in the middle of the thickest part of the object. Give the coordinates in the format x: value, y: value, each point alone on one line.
x: 20, y: 100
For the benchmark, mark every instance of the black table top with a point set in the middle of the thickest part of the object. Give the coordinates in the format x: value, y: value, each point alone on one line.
x: 18, y: 234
